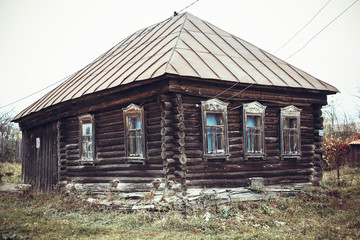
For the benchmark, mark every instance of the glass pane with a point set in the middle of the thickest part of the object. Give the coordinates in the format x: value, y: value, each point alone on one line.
x: 254, y: 138
x: 219, y: 140
x: 215, y: 140
x: 86, y: 129
x: 253, y: 121
x: 214, y: 119
x: 87, y: 147
x: 210, y: 140
x: 290, y: 123
x: 135, y: 143
x: 290, y: 141
x: 134, y: 123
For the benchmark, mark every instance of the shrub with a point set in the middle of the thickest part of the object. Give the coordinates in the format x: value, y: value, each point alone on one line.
x: 335, y: 151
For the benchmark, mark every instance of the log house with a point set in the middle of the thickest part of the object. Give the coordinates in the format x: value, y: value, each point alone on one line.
x: 178, y: 106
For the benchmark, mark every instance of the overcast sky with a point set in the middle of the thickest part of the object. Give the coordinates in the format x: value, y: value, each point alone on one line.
x: 42, y: 41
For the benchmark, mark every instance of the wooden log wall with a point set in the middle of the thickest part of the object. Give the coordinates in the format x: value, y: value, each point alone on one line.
x: 40, y: 160
x: 236, y: 171
x: 179, y: 144
x: 318, y: 149
x: 111, y: 167
x: 167, y: 146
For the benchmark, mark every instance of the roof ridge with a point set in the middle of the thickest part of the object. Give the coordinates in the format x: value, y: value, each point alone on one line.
x: 177, y: 40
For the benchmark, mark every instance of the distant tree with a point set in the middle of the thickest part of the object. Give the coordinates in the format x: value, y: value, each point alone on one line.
x: 337, y: 124
x: 9, y: 134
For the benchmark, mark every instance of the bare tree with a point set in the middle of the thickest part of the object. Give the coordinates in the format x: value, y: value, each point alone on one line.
x: 338, y: 124
x: 9, y: 134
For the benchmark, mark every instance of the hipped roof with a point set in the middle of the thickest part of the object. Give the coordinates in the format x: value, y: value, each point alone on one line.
x: 186, y: 46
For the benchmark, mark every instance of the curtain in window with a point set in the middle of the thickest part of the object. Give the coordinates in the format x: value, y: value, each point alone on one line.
x: 135, y: 143
x: 215, y: 134
x: 86, y: 141
x: 290, y: 136
x: 253, y: 127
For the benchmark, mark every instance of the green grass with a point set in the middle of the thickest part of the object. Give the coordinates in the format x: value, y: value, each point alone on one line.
x: 11, y: 172
x: 329, y: 212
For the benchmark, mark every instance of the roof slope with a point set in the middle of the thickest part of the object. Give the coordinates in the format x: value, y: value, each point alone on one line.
x: 183, y: 45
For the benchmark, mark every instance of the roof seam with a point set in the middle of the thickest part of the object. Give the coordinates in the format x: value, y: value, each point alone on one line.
x: 210, y: 51
x: 178, y: 37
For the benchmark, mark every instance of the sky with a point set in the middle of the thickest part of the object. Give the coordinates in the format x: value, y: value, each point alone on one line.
x: 42, y: 42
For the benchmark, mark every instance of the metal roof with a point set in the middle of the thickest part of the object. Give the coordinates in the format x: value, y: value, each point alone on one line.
x: 183, y: 45
x: 355, y: 142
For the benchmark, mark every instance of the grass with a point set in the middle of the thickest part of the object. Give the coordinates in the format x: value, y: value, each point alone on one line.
x: 11, y: 172
x: 329, y: 212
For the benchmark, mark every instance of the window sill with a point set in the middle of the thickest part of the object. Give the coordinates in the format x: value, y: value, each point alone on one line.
x: 295, y: 156
x: 261, y: 156
x: 86, y: 162
x: 215, y: 157
x: 136, y: 160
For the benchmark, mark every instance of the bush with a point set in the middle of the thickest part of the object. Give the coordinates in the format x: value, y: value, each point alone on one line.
x: 335, y: 151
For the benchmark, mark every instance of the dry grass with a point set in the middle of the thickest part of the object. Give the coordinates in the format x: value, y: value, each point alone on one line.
x: 329, y: 212
x: 11, y: 172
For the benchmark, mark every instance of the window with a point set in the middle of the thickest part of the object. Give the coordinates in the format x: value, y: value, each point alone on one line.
x: 254, y: 129
x: 290, y: 132
x: 214, y: 115
x: 87, y: 138
x: 134, y: 132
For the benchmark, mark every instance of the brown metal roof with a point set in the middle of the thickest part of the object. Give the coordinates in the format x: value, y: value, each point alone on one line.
x: 183, y: 45
x: 355, y: 142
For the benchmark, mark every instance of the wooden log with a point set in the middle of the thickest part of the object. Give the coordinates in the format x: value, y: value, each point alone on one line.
x: 167, y: 131
x: 166, y: 154
x: 154, y: 144
x: 153, y: 129
x: 153, y: 121
x: 179, y: 127
x: 167, y: 147
x: 166, y: 114
x: 166, y: 122
x: 166, y: 106
x: 167, y: 139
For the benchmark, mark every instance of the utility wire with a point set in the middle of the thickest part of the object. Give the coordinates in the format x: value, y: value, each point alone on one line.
x: 32, y: 94
x: 322, y: 29
x: 114, y: 49
x: 236, y: 94
x: 188, y: 6
x: 302, y: 27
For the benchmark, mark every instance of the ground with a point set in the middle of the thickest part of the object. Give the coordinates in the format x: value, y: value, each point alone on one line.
x: 331, y: 211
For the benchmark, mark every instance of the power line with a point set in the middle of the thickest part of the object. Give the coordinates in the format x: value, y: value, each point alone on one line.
x: 322, y: 29
x: 188, y: 6
x: 236, y: 94
x: 109, y: 52
x: 32, y: 94
x: 274, y: 53
x: 302, y: 28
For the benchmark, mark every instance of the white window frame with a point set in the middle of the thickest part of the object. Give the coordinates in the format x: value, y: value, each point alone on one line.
x: 290, y: 112
x: 87, y: 119
x: 215, y: 106
x: 134, y: 111
x: 254, y: 109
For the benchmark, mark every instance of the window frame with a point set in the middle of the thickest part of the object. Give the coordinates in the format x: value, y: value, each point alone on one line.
x: 255, y: 109
x: 134, y: 110
x: 215, y: 106
x: 290, y: 112
x: 88, y: 119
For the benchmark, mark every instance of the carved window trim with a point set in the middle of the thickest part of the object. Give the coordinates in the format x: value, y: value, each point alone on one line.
x: 87, y: 139
x: 256, y: 111
x: 137, y: 134
x: 290, y: 136
x: 215, y: 107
